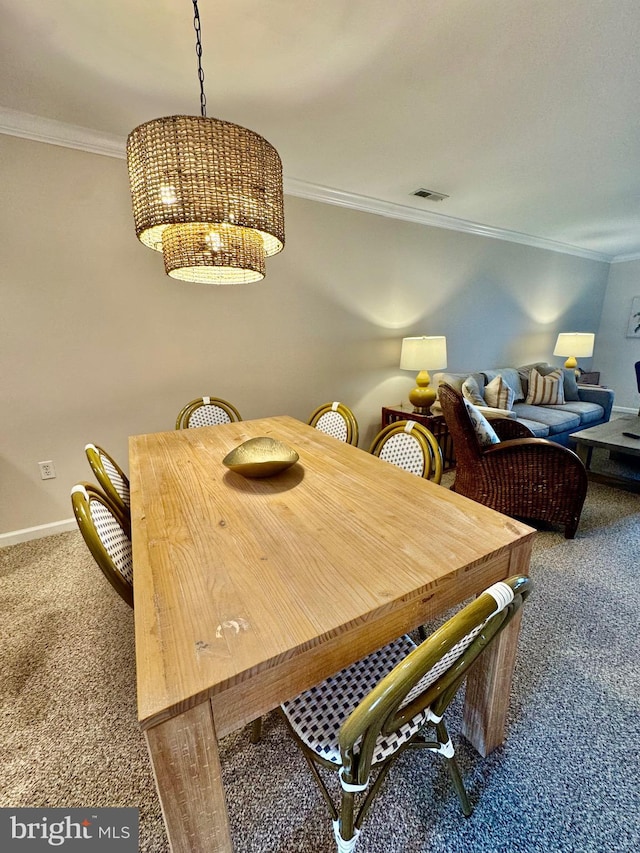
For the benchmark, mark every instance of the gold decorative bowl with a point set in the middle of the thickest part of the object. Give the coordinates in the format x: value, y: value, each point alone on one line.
x: 260, y: 457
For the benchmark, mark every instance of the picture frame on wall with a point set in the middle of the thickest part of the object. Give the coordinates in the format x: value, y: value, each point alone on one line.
x: 633, y: 329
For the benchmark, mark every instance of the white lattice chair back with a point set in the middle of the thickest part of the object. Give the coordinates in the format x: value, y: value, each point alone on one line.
x: 119, y: 484
x: 333, y: 423
x: 109, y: 475
x: 404, y: 451
x: 116, y: 542
x: 207, y: 411
x: 208, y: 415
x: 106, y: 532
x: 337, y: 420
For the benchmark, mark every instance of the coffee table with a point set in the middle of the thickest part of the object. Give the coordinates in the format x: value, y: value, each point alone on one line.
x: 610, y: 437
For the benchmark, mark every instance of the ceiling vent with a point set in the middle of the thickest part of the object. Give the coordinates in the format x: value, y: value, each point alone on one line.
x: 430, y: 194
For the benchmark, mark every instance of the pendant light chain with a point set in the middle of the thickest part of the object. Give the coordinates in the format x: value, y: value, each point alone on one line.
x: 197, y: 28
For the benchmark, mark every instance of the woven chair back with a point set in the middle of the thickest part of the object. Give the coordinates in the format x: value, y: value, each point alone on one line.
x: 466, y: 446
x: 107, y: 533
x: 421, y: 687
x: 207, y: 411
x: 411, y: 446
x: 337, y: 420
x: 110, y: 476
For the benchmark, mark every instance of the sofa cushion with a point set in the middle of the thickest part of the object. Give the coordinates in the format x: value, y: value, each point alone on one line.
x: 557, y: 418
x: 484, y: 431
x: 545, y: 390
x: 538, y: 429
x: 498, y: 394
x: 587, y: 412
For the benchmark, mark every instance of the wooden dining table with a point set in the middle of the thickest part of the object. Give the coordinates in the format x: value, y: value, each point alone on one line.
x: 248, y: 591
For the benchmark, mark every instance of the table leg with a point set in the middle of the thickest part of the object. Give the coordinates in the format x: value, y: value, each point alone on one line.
x: 584, y: 452
x: 186, y: 765
x: 489, y: 689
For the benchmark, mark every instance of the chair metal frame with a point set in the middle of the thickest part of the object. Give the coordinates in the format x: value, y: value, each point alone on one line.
x: 341, y: 411
x: 117, y: 492
x: 398, y: 699
x: 82, y: 496
x: 182, y: 421
x: 431, y: 450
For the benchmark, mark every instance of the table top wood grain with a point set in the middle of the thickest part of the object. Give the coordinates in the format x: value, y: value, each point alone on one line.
x: 235, y: 575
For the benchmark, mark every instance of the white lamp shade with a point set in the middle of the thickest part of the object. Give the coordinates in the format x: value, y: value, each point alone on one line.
x: 578, y: 344
x: 425, y: 353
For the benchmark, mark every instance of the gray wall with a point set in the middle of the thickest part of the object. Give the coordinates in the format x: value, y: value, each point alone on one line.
x: 614, y: 353
x: 98, y: 344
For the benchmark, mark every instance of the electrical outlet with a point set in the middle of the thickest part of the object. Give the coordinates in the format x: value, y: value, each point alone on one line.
x: 47, y: 470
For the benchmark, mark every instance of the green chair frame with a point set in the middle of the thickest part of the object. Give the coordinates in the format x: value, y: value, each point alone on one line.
x: 227, y: 413
x: 102, y: 544
x: 432, y: 462
x: 110, y: 476
x: 337, y: 420
x: 424, y: 682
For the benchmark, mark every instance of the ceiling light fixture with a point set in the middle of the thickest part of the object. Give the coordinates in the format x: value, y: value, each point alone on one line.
x: 206, y: 193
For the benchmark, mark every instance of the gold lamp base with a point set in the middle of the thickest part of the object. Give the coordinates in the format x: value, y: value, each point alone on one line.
x: 422, y: 397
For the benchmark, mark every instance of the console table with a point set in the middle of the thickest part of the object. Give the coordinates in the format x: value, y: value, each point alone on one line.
x: 434, y: 423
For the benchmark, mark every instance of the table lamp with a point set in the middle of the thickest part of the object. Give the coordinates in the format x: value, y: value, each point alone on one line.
x: 423, y: 354
x: 574, y: 344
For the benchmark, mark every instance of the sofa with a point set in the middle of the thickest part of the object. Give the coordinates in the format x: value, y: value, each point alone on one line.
x: 573, y: 407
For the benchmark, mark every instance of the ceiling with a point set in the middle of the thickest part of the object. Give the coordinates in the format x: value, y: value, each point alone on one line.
x: 524, y: 112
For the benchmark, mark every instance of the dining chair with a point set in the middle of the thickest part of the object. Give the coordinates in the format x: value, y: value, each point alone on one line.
x: 207, y: 411
x: 107, y: 533
x: 359, y: 721
x: 337, y: 420
x: 411, y: 446
x: 110, y: 477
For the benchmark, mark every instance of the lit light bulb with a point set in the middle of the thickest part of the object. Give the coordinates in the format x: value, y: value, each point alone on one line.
x: 168, y: 195
x: 214, y: 241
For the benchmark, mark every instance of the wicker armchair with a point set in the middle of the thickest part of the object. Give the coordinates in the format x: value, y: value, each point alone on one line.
x: 522, y: 476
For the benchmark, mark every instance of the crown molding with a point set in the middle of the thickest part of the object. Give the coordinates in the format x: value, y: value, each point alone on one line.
x: 53, y: 132
x: 427, y: 217
x: 621, y: 259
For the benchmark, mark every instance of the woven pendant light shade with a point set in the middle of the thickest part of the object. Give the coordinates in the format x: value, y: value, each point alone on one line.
x: 207, y: 194
x: 199, y: 252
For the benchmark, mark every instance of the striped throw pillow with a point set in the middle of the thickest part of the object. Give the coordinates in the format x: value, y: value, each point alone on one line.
x: 545, y: 390
x: 498, y: 394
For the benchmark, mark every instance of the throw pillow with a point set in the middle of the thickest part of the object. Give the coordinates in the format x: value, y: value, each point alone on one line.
x: 570, y: 383
x: 545, y: 390
x: 511, y: 376
x: 524, y: 371
x: 484, y: 431
x: 498, y: 394
x: 471, y: 391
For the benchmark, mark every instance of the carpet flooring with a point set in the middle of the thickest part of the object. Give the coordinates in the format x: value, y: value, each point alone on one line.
x: 566, y: 779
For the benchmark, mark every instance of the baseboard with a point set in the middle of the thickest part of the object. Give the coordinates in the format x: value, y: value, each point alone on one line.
x: 625, y: 410
x: 14, y: 537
